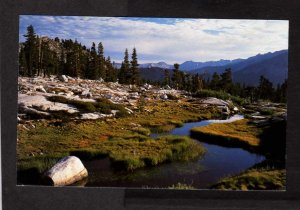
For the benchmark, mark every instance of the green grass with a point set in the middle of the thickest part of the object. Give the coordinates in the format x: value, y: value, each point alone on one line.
x: 39, y: 163
x: 124, y: 145
x: 254, y: 179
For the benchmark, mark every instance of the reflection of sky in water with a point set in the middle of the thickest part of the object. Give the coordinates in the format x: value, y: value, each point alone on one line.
x: 218, y: 162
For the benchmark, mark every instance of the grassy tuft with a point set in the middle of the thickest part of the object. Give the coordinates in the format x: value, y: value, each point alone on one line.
x: 236, y: 134
x: 181, y: 186
x: 254, y: 179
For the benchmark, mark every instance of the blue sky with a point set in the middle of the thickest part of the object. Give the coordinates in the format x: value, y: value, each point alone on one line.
x: 166, y: 39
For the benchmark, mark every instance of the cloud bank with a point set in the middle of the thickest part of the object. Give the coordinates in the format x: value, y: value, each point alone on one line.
x: 166, y: 39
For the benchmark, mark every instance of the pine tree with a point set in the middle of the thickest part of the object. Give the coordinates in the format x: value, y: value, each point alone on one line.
x: 92, y: 66
x: 265, y: 88
x: 197, y: 83
x: 30, y: 49
x: 124, y: 74
x: 134, y: 68
x: 167, y: 78
x: 102, y: 71
x: 22, y: 62
x: 176, y: 76
x: 215, y: 81
x: 111, y: 73
x: 226, y: 80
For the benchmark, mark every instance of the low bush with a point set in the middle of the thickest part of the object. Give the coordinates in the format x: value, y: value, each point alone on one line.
x: 219, y: 94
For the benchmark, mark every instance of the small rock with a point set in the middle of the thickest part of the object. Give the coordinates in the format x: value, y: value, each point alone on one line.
x: 85, y: 92
x: 164, y: 97
x: 40, y: 89
x: 63, y: 78
x: 129, y: 110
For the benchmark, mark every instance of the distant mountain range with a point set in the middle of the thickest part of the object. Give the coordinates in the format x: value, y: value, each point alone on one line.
x: 274, y: 66
x: 161, y: 65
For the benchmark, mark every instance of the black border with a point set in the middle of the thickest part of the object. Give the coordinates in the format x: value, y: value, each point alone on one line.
x: 27, y: 197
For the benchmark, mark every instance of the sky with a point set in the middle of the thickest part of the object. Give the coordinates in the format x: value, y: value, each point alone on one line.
x: 172, y: 40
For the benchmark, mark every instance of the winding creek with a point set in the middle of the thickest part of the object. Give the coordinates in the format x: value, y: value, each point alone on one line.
x: 217, y: 163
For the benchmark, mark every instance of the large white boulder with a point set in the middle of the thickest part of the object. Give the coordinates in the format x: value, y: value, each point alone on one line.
x: 36, y: 103
x: 66, y: 171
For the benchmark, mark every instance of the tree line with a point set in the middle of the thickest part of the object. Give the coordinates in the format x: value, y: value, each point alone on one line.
x: 224, y: 82
x: 40, y: 56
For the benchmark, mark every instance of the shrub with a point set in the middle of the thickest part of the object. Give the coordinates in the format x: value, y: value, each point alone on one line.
x: 219, y: 94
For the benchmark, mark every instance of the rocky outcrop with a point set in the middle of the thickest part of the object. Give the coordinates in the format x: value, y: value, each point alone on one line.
x: 65, y: 172
x: 34, y: 93
x: 38, y: 104
x: 224, y: 106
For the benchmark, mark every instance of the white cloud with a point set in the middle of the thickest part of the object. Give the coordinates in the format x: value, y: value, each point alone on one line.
x: 173, y: 41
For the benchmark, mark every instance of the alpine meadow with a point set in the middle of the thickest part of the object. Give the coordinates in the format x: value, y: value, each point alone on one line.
x: 172, y: 103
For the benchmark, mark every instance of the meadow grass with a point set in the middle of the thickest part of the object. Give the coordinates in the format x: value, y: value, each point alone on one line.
x: 181, y: 186
x: 254, y: 179
x: 128, y: 146
x: 240, y: 133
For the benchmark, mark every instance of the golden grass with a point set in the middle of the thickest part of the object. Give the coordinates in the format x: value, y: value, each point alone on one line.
x: 254, y: 179
x: 240, y: 130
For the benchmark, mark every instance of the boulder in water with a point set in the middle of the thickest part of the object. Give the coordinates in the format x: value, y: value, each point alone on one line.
x: 66, y: 171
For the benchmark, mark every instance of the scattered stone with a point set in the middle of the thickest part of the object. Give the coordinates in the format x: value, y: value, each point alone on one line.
x: 164, y: 97
x: 85, y: 92
x: 40, y: 89
x: 66, y: 171
x: 129, y: 110
x: 63, y: 78
x: 258, y: 117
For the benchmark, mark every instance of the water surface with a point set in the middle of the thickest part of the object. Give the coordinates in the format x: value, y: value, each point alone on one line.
x: 217, y: 163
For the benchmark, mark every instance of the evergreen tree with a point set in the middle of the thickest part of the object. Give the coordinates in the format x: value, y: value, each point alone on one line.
x: 124, y: 74
x: 265, y: 88
x: 102, y: 71
x: 197, y: 83
x: 215, y: 81
x: 30, y: 50
x: 111, y: 73
x: 22, y: 62
x: 134, y: 68
x: 176, y: 76
x: 167, y: 78
x: 226, y: 80
x: 92, y: 66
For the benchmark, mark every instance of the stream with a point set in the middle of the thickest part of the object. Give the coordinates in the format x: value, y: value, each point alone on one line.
x: 218, y: 162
